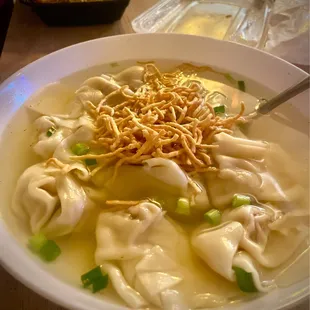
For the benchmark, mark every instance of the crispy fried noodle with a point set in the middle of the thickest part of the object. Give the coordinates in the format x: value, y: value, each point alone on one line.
x: 168, y: 116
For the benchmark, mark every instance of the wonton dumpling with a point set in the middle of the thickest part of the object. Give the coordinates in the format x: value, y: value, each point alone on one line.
x: 94, y: 91
x: 46, y: 146
x: 263, y: 238
x: 162, y: 271
x: 252, y: 167
x: 218, y: 247
x: 166, y: 171
x: 244, y: 261
x: 126, y: 292
x: 119, y: 233
x: 109, y: 88
x: 104, y: 84
x: 255, y: 220
x: 63, y: 151
x: 51, y: 201
x: 253, y: 229
x: 132, y: 76
x: 147, y: 269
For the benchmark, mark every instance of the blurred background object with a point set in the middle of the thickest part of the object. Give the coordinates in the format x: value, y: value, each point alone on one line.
x: 6, y: 9
x: 242, y: 21
x: 288, y: 34
x: 78, y: 12
x: 280, y: 27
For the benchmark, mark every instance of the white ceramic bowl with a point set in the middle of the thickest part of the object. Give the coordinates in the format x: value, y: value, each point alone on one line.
x: 269, y: 71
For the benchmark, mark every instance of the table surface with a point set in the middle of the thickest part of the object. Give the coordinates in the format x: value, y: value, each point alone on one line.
x: 29, y: 39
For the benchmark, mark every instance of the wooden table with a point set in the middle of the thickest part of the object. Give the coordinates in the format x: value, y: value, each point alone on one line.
x: 29, y: 39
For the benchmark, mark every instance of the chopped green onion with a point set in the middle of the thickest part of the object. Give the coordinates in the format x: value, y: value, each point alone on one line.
x: 241, y: 85
x: 100, y: 283
x: 80, y: 149
x: 213, y: 216
x: 36, y: 242
x: 90, y: 161
x: 240, y: 200
x: 95, y: 278
x: 183, y: 206
x: 51, y: 131
x: 219, y: 109
x: 49, y: 251
x: 244, y: 280
x: 89, y: 277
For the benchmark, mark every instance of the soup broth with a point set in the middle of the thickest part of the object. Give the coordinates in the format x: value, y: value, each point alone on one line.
x: 178, y: 238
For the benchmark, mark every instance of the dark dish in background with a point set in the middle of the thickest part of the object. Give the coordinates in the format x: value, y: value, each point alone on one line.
x: 6, y: 9
x: 68, y: 13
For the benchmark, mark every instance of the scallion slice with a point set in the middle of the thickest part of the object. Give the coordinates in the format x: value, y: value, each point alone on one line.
x: 240, y: 200
x: 241, y: 85
x: 51, y: 131
x: 80, y: 149
x: 100, y: 283
x: 183, y: 206
x: 49, y: 251
x: 37, y: 241
x: 213, y: 217
x: 95, y: 278
x: 90, y: 161
x: 244, y: 280
x: 89, y: 277
x: 219, y: 109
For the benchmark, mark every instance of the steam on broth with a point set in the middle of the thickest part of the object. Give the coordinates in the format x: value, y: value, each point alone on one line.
x: 148, y: 175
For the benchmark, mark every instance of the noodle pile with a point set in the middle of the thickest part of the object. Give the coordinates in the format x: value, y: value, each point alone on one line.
x: 167, y: 117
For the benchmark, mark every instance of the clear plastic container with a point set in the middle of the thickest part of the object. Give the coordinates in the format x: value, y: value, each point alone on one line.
x: 242, y: 21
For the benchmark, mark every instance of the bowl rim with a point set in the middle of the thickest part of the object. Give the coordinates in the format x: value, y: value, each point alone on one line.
x: 15, y: 248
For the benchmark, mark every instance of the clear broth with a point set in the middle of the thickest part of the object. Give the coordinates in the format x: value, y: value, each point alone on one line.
x: 77, y: 249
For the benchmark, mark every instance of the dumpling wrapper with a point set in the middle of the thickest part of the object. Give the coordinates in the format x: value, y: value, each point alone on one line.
x: 253, y: 167
x: 63, y: 151
x: 132, y: 76
x: 166, y: 171
x: 270, y: 237
x: 218, y: 248
x: 119, y: 233
x: 46, y: 146
x: 146, y: 269
x: 52, y: 202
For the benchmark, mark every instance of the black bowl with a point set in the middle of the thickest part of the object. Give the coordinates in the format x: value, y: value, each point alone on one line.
x: 79, y: 13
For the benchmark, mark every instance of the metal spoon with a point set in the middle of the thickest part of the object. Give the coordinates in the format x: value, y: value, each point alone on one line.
x: 265, y: 106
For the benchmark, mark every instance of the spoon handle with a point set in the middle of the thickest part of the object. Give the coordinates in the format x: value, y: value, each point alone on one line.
x: 265, y: 106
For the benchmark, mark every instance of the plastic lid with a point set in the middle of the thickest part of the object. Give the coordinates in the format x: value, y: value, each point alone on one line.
x: 243, y: 21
